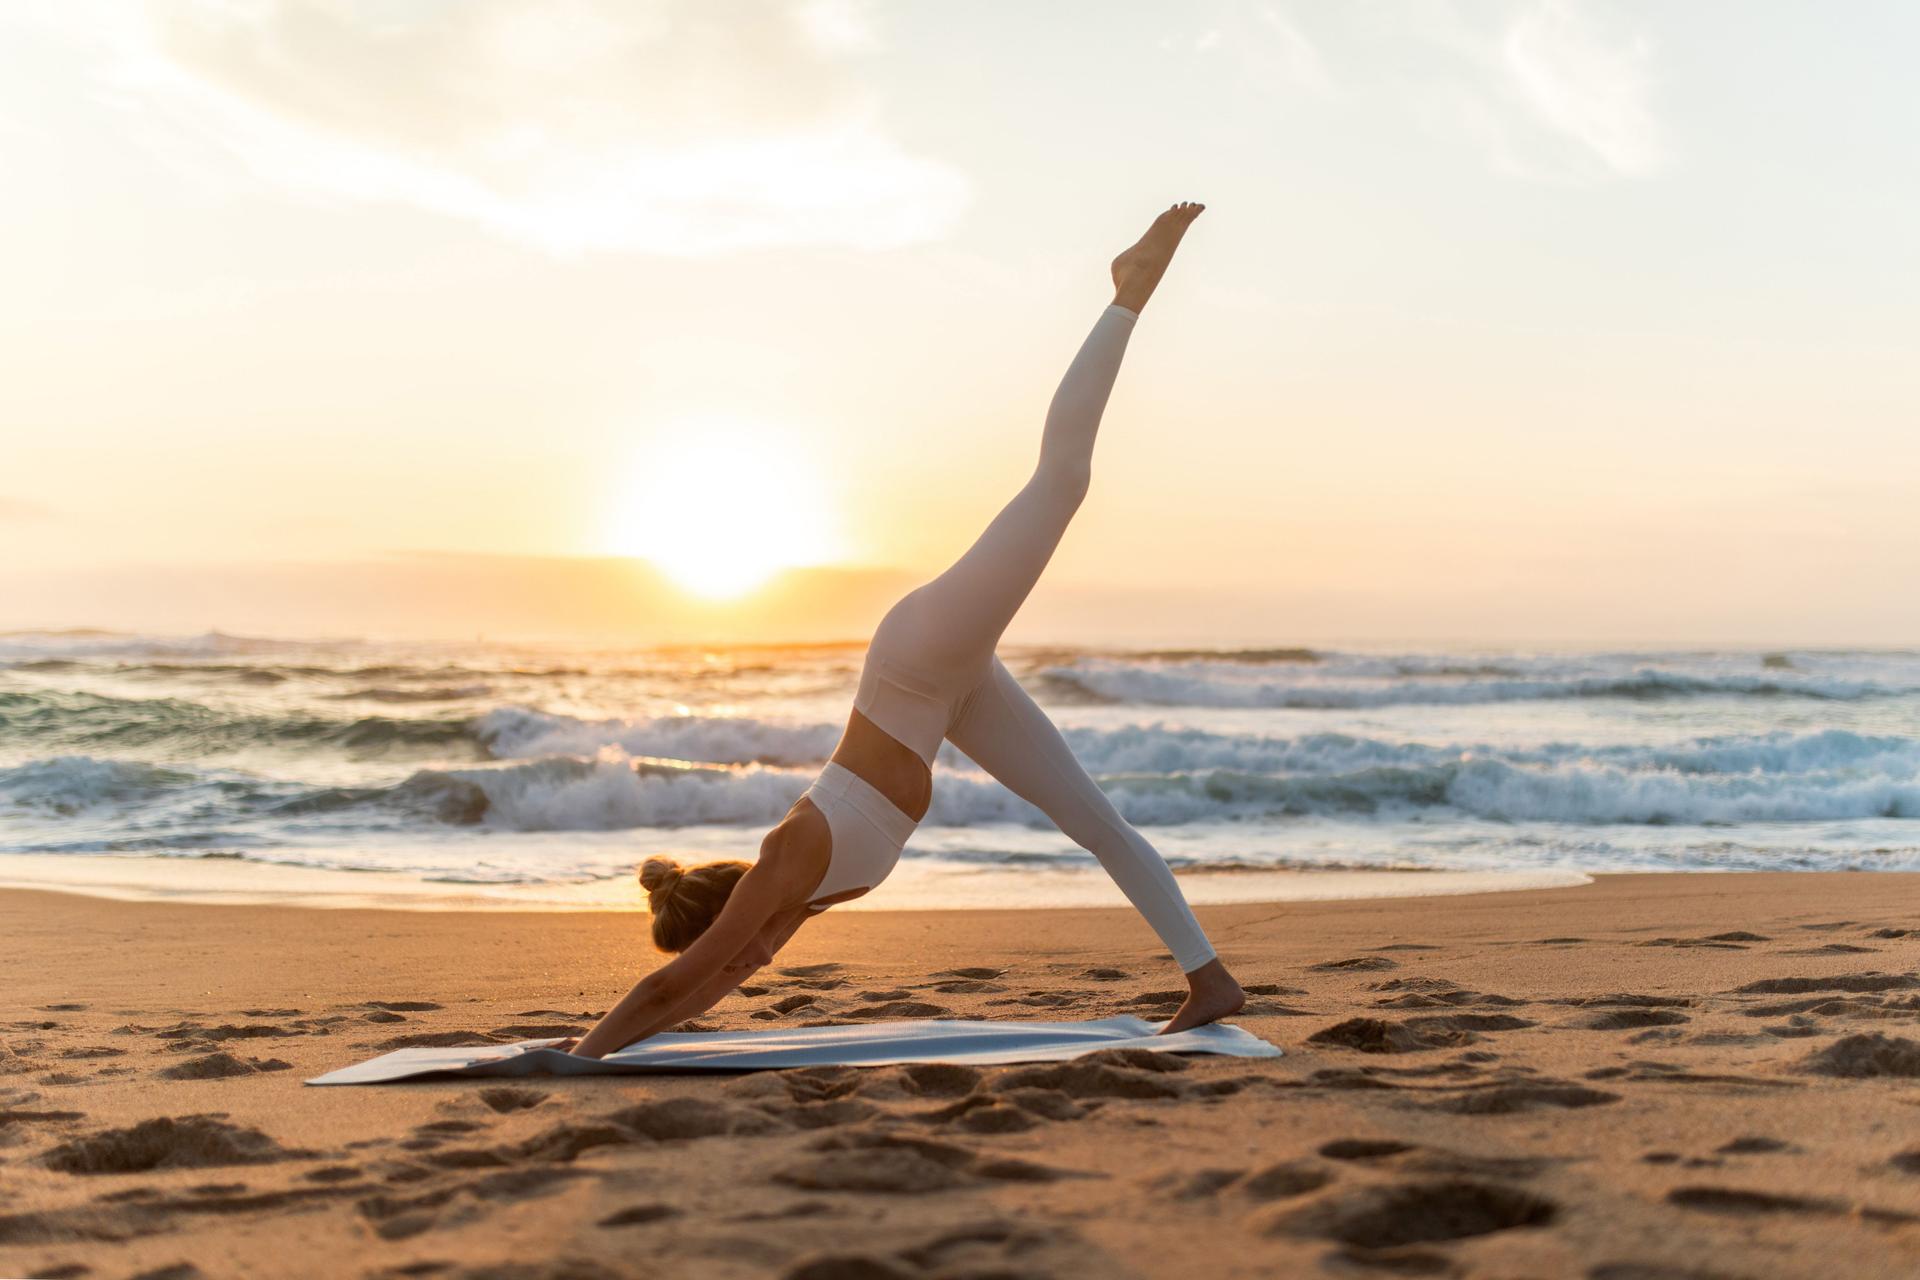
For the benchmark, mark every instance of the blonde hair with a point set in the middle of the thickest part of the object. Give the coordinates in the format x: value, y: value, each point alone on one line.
x: 685, y: 900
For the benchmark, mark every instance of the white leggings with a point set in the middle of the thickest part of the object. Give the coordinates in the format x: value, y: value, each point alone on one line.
x: 931, y: 673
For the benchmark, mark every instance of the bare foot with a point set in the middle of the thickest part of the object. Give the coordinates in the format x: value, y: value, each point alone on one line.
x: 1212, y: 994
x: 1137, y: 271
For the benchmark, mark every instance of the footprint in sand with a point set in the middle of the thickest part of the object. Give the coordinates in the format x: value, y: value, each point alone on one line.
x: 1376, y: 1035
x: 1354, y: 964
x: 1724, y: 941
x: 785, y: 1005
x: 222, y: 1066
x: 1363, y: 1148
x: 808, y: 970
x: 873, y: 1161
x: 538, y: 1030
x: 401, y: 1006
x: 900, y: 1009
x: 1832, y: 949
x: 1631, y: 1020
x: 1753, y: 1146
x: 991, y: 1248
x: 1860, y: 1057
x: 980, y: 1249
x: 505, y: 1098
x: 185, y: 1038
x: 166, y: 1142
x: 1628, y: 1000
x: 1108, y: 1073
x: 965, y: 987
x: 1532, y: 1095
x: 442, y: 1040
x: 689, y: 1119
x: 939, y: 1079
x: 1386, y: 1217
x: 336, y: 1173
x: 1283, y: 1181
x: 1840, y: 981
x: 638, y: 1215
x: 1046, y: 999
x: 1434, y: 993
x: 1743, y: 1203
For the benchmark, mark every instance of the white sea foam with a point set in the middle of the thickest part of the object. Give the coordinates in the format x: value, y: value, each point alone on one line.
x: 517, y: 733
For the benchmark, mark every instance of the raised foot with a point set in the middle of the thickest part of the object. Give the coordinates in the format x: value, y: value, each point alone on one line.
x: 1137, y: 271
x: 1212, y: 994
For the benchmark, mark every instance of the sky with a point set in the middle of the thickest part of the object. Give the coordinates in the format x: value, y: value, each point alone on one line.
x: 1517, y: 321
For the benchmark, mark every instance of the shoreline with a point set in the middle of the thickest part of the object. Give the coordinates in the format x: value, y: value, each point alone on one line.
x: 913, y: 887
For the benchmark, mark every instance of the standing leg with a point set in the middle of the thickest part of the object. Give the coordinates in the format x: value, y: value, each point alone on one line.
x: 1001, y: 730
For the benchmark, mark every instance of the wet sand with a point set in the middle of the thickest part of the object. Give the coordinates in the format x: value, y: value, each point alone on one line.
x: 1680, y: 1077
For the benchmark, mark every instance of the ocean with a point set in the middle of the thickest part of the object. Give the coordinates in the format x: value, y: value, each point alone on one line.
x: 542, y: 774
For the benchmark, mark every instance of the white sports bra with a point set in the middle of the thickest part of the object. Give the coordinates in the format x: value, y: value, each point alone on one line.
x: 868, y: 831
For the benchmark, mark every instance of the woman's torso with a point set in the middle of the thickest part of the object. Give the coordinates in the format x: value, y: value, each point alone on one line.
x: 846, y: 831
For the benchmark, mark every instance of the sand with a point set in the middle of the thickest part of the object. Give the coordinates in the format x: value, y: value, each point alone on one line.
x: 1648, y: 1078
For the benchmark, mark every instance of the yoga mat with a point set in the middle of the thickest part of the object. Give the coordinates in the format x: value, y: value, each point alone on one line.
x: 873, y: 1044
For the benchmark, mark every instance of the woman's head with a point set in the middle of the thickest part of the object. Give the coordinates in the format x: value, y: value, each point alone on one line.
x: 685, y: 900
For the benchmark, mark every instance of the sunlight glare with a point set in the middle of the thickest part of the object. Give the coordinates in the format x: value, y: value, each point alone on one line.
x: 720, y: 507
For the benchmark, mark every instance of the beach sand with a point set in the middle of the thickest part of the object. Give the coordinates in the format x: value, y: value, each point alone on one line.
x: 1653, y: 1077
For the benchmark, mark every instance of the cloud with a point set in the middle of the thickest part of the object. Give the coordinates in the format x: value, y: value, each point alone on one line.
x: 575, y: 126
x: 1585, y: 85
x: 1543, y: 89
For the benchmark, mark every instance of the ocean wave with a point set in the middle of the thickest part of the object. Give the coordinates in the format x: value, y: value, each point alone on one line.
x: 67, y: 785
x: 521, y: 732
x: 449, y: 693
x: 1821, y: 777
x: 517, y: 733
x: 611, y: 794
x: 81, y: 642
x: 1203, y: 684
x: 95, y: 722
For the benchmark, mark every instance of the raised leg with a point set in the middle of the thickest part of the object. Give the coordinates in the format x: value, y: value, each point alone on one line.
x: 1004, y: 732
x: 964, y: 611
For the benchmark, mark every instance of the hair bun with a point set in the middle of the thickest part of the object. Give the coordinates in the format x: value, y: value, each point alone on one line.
x: 659, y: 875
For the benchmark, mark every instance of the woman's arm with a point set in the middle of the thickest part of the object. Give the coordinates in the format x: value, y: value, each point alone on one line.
x: 750, y: 928
x: 758, y: 954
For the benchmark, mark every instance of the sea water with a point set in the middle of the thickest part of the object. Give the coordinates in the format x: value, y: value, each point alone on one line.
x: 542, y: 774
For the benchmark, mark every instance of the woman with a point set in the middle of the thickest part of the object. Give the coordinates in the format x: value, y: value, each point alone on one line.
x: 930, y: 674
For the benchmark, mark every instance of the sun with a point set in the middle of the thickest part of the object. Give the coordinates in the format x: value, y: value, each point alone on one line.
x: 721, y: 506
